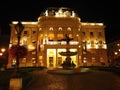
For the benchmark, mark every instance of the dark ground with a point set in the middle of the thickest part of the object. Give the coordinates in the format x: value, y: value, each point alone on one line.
x: 94, y: 80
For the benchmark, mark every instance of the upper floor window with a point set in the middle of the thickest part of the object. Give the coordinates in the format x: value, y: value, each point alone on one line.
x: 83, y: 33
x: 100, y: 42
x: 91, y: 34
x: 34, y: 32
x: 25, y: 32
x: 60, y: 28
x: 69, y: 29
x: 24, y: 40
x: 40, y: 29
x: 92, y: 44
x: 51, y: 28
x: 60, y: 36
x: 78, y: 29
x: 51, y: 36
x: 33, y: 41
x: 70, y: 36
x: 100, y: 34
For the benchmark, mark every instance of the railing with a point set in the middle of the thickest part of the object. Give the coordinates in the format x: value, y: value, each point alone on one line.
x: 62, y: 43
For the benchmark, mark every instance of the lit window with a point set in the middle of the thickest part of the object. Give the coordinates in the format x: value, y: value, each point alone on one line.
x: 70, y: 36
x: 88, y: 45
x: 51, y: 36
x: 33, y: 41
x: 60, y: 36
x: 25, y: 41
x: 33, y: 60
x: 92, y: 43
x: 40, y: 29
x: 24, y: 60
x: 60, y: 28
x: 69, y: 29
x: 51, y: 29
x: 40, y: 57
x: 78, y: 29
x: 34, y: 52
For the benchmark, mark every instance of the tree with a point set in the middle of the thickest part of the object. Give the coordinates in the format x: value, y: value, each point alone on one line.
x: 17, y: 51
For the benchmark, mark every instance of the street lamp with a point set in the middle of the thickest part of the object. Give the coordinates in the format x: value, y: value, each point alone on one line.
x: 2, y: 51
x: 19, y: 28
x: 3, y: 57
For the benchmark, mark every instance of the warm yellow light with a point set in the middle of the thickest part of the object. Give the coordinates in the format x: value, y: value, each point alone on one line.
x: 51, y: 28
x: 119, y: 50
x: 92, y: 24
x: 84, y: 61
x: 51, y: 57
x: 3, y: 49
x: 118, y: 44
x: 105, y: 46
x: 1, y: 54
x: 73, y: 13
x: 116, y: 53
x: 74, y: 43
x: 79, y: 46
x: 46, y: 13
x: 31, y: 47
x: 15, y: 22
x: 96, y: 46
x: 89, y: 46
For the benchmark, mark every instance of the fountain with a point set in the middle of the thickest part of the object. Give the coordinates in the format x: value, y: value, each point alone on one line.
x: 67, y: 64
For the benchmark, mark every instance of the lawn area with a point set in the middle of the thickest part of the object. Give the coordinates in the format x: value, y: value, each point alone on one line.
x: 25, y: 72
x: 115, y: 70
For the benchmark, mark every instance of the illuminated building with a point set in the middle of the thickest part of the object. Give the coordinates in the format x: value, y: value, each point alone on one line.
x: 114, y: 53
x: 43, y: 39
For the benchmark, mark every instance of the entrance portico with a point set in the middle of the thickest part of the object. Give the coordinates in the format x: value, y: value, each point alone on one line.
x: 54, y: 59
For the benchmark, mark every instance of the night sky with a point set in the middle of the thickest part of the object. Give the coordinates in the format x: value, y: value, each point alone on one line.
x: 104, y: 11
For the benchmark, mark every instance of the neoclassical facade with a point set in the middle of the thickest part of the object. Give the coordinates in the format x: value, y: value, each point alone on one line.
x: 44, y: 40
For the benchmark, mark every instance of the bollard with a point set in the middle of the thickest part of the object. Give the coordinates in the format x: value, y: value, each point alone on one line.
x: 15, y: 84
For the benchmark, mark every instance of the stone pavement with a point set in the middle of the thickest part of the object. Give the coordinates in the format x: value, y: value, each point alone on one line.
x: 94, y: 80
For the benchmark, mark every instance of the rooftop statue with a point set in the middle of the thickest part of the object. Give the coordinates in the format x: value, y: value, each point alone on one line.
x: 59, y: 12
x: 67, y: 39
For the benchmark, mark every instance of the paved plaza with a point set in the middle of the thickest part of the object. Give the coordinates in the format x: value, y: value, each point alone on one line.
x: 94, y: 80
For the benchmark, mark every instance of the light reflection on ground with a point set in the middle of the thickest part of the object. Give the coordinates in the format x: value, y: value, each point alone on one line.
x: 95, y: 80
x: 69, y: 71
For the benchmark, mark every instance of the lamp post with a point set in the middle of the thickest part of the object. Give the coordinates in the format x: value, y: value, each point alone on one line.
x: 16, y: 81
x: 19, y: 28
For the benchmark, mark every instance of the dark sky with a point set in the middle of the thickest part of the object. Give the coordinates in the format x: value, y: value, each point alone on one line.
x: 104, y: 11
